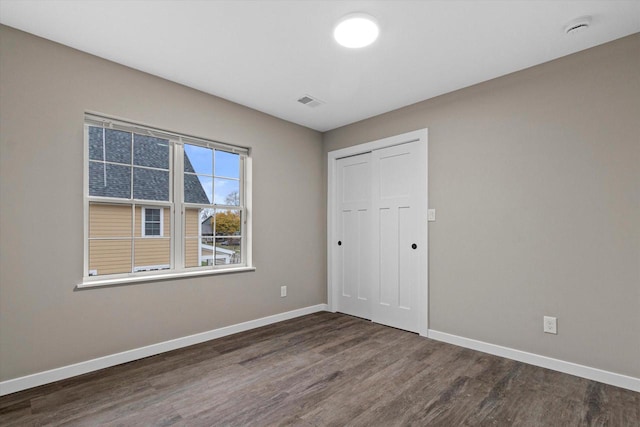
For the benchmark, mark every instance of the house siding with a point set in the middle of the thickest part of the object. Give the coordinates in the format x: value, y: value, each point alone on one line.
x: 109, y: 220
x: 152, y: 251
x: 110, y: 256
x: 192, y: 222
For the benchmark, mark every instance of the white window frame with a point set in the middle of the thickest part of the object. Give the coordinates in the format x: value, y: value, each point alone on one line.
x: 144, y: 223
x: 175, y: 204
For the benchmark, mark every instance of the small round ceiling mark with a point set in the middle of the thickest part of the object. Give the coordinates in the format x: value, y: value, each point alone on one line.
x: 578, y: 25
x: 356, y: 30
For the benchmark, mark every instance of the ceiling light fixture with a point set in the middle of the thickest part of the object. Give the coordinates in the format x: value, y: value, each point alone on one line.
x: 356, y: 30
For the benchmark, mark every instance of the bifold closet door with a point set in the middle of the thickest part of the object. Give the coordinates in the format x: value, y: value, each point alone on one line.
x: 353, y: 247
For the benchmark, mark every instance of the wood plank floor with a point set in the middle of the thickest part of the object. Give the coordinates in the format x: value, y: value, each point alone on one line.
x: 319, y: 370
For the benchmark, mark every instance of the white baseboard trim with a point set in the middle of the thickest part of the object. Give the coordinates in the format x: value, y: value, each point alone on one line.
x: 587, y: 372
x: 40, y: 378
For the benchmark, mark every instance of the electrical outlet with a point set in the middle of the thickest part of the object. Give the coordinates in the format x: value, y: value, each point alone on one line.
x: 550, y: 325
x: 431, y: 214
x: 283, y: 291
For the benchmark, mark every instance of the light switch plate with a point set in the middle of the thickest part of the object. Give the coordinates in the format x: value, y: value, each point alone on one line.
x: 431, y: 214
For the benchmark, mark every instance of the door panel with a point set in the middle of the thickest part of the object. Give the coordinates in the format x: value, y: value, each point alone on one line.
x: 387, y: 265
x: 406, y: 275
x: 395, y: 174
x: 356, y: 180
x: 349, y: 274
x: 353, y: 255
x: 364, y: 255
x: 397, y: 189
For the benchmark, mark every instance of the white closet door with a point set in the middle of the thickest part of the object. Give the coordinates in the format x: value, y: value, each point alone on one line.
x: 353, y: 245
x: 399, y: 235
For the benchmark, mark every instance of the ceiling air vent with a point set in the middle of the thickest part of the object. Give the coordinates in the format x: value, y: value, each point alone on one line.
x: 577, y: 25
x: 310, y: 101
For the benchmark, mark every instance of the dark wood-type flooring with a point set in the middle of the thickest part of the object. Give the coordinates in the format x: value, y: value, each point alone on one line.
x: 323, y: 369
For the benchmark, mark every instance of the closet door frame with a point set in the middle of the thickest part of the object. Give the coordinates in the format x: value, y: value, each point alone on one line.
x: 332, y: 232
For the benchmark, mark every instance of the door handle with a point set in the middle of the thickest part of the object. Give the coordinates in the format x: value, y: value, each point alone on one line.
x: 339, y: 242
x: 414, y: 246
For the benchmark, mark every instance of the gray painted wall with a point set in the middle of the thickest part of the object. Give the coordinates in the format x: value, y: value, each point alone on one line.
x: 45, y: 90
x: 536, y: 180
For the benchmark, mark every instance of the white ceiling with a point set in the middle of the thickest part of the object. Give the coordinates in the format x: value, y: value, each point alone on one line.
x: 267, y: 54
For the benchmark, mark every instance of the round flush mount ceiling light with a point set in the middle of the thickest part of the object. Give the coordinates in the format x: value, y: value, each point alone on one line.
x: 356, y: 30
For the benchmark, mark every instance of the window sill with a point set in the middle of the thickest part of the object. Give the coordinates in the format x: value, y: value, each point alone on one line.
x: 157, y: 277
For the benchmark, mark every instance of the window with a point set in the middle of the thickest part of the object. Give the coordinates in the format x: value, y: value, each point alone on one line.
x: 162, y: 203
x: 152, y: 222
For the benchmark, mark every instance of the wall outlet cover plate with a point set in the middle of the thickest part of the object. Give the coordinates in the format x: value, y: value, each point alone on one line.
x: 550, y: 325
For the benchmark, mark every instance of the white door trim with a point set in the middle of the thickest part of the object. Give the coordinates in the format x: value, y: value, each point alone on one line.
x: 418, y: 135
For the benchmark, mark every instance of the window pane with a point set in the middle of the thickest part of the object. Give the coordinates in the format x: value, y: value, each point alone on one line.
x: 198, y: 250
x: 227, y: 164
x: 152, y: 214
x: 228, y: 223
x: 152, y: 254
x: 228, y: 251
x: 152, y: 229
x: 192, y: 219
x: 207, y: 221
x: 148, y: 220
x: 201, y: 247
x: 191, y: 256
x: 198, y: 189
x: 198, y: 159
x: 108, y: 180
x: 109, y: 220
x: 109, y: 239
x: 149, y: 184
x: 96, y: 148
x: 227, y: 192
x: 118, y: 146
x: 109, y: 257
x: 150, y: 151
x: 206, y: 252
